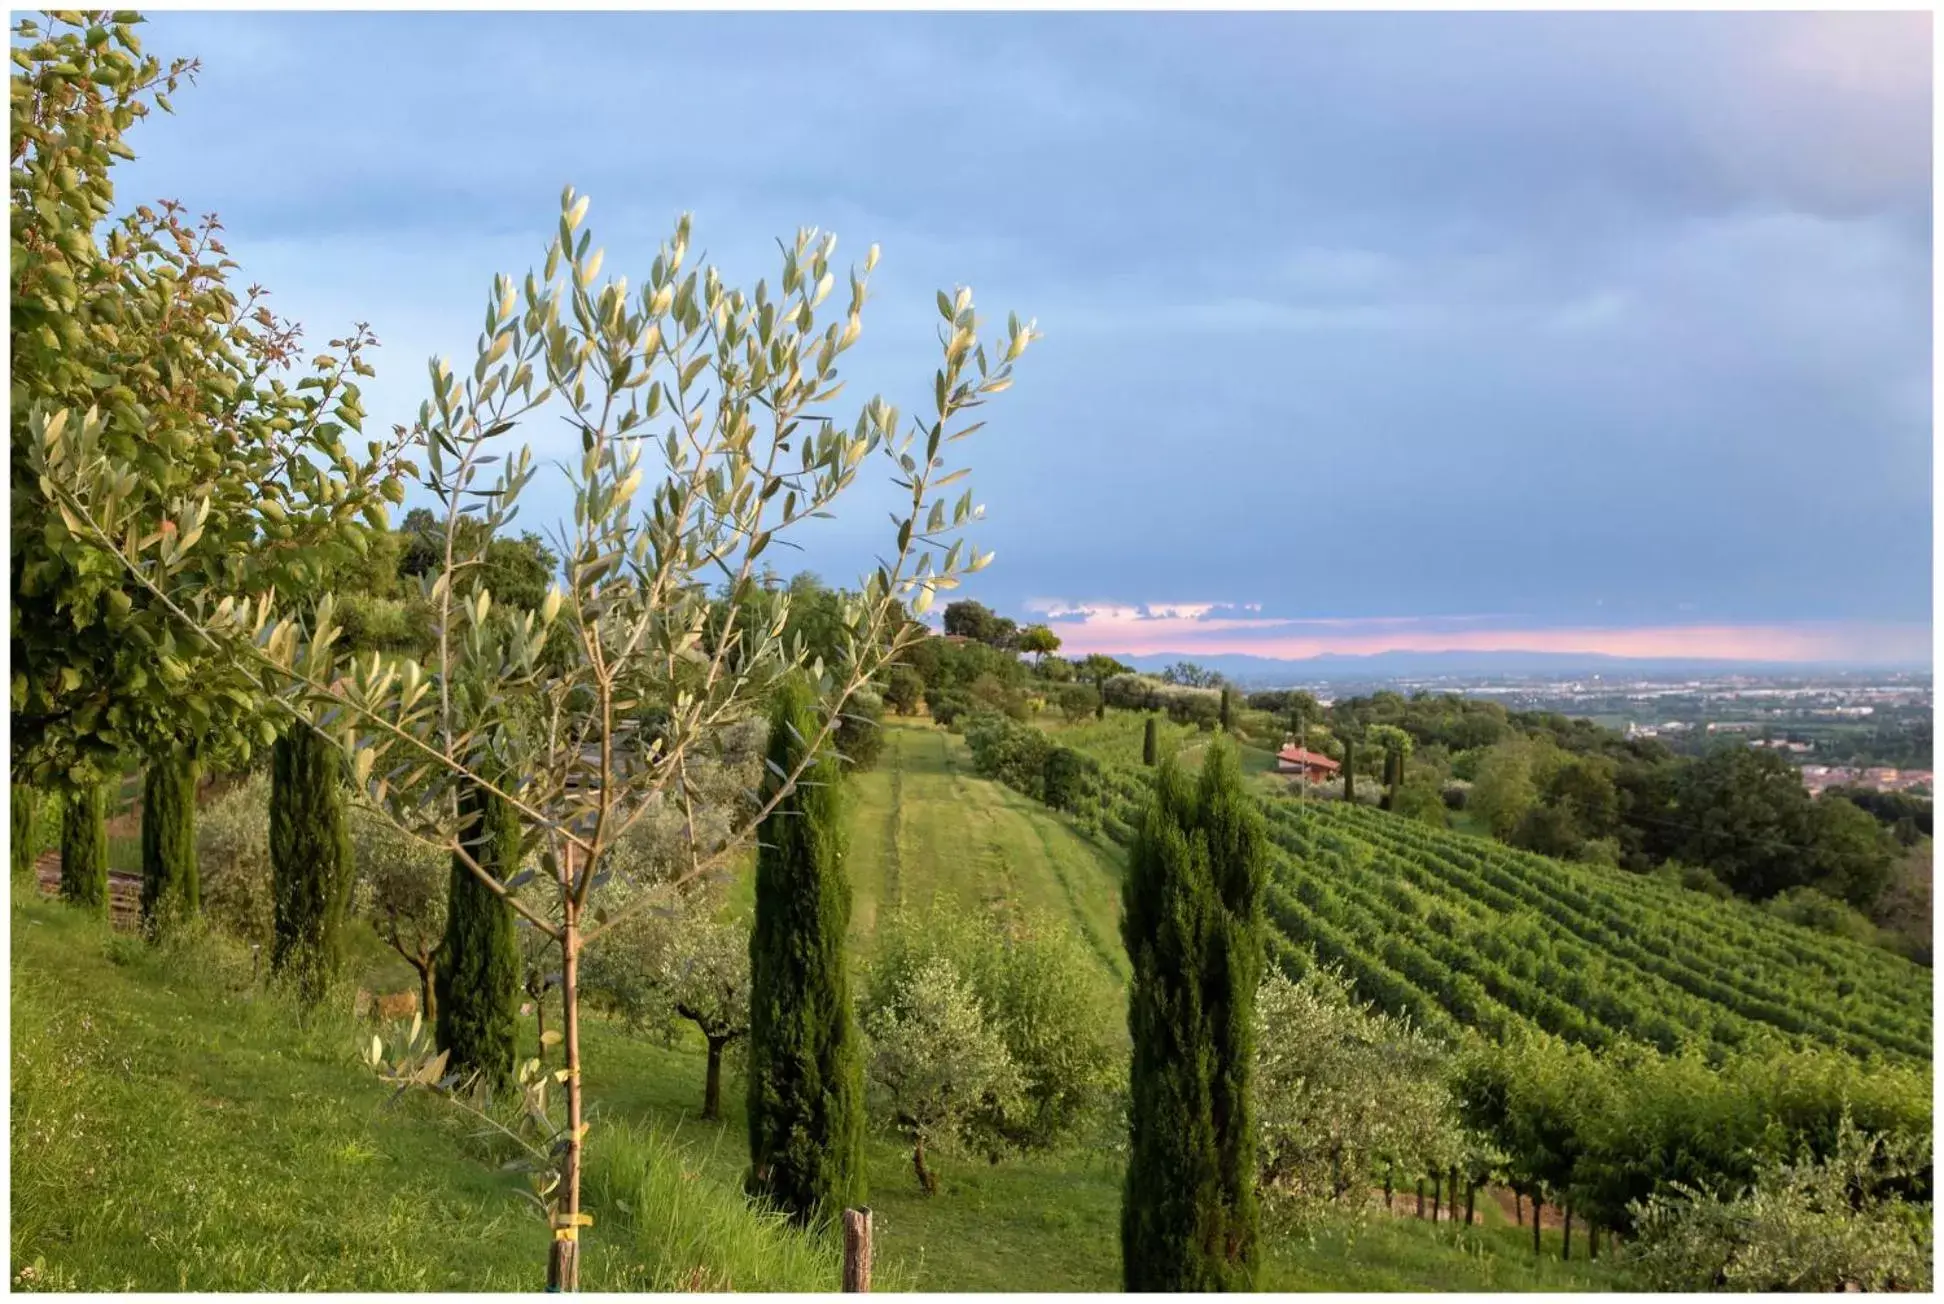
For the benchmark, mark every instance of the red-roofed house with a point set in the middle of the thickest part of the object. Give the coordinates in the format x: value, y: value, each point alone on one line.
x: 1311, y: 765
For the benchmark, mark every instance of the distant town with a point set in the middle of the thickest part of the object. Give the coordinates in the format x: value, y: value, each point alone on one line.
x: 1841, y: 730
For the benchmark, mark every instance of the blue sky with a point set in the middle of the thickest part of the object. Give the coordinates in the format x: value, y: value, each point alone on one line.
x: 1569, y: 332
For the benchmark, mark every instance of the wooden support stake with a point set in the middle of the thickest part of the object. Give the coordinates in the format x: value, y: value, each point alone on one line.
x: 857, y: 1250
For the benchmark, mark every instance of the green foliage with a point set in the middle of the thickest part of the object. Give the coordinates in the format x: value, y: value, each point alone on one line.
x: 1039, y: 640
x: 1037, y: 990
x: 976, y: 621
x: 806, y: 1119
x: 1503, y: 791
x: 903, y: 690
x: 478, y: 976
x: 171, y: 891
x: 1014, y: 754
x: 1419, y: 799
x: 1814, y: 909
x: 1192, y: 929
x: 936, y: 1066
x: 131, y: 349
x: 84, y: 848
x: 1832, y: 1223
x: 233, y: 861
x: 1340, y: 1089
x: 1078, y: 701
x: 310, y: 861
x: 860, y: 731
x: 24, y: 810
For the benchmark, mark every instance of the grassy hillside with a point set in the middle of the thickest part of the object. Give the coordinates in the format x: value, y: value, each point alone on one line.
x: 1454, y: 929
x: 174, y: 1128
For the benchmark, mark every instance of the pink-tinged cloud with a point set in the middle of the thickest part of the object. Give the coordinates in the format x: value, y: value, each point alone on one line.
x: 1190, y: 628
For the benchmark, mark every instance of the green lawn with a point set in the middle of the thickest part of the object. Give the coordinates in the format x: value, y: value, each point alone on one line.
x: 173, y: 1128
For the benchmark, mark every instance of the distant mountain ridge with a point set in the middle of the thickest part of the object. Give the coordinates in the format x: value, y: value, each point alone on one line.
x: 1270, y: 671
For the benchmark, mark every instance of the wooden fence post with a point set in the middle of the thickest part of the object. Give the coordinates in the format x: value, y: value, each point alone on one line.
x: 857, y: 1250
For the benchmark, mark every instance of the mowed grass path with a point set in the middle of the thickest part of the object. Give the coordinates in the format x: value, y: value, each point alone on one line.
x: 925, y: 828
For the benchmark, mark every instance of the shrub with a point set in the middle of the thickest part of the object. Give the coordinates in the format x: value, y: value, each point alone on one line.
x: 1078, y: 701
x: 1420, y: 800
x: 1815, y: 1225
x: 860, y: 731
x: 1040, y: 991
x: 1815, y: 909
x: 233, y: 860
x: 936, y: 1066
x: 1013, y: 754
x: 1071, y: 779
x: 903, y: 689
x: 946, y: 707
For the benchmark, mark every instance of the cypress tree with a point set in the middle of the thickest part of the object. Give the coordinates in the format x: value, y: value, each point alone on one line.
x: 806, y: 1083
x: 1236, y: 856
x: 310, y: 860
x: 1349, y: 770
x: 171, y: 892
x: 1225, y: 710
x: 84, y: 848
x: 26, y: 831
x: 476, y: 983
x: 1149, y: 742
x: 1191, y: 923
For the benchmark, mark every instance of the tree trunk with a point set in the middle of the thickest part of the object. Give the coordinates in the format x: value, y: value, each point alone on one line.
x: 927, y: 1181
x: 1537, y: 1206
x: 1389, y: 1171
x: 1471, y: 1198
x: 563, y: 1266
x: 1420, y: 1197
x: 1566, y: 1243
x: 1437, y: 1189
x: 1518, y: 1207
x: 1593, y: 1241
x: 712, y: 1088
x: 428, y: 1003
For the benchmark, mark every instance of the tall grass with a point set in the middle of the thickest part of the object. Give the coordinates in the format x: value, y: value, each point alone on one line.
x: 175, y: 1126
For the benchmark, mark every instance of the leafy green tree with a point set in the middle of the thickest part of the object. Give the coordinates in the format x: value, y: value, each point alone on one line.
x: 404, y: 885
x: 1504, y: 791
x: 171, y: 892
x: 686, y: 351
x: 1192, y: 927
x: 936, y: 1063
x: 1396, y: 746
x: 310, y: 861
x: 132, y: 356
x: 806, y: 1119
x: 1097, y: 669
x: 477, y: 982
x: 903, y: 690
x: 84, y: 847
x: 1078, y: 701
x: 976, y: 621
x: 1039, y: 640
x: 1852, y: 856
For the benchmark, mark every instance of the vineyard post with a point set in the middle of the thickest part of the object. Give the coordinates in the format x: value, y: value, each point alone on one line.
x: 857, y: 1250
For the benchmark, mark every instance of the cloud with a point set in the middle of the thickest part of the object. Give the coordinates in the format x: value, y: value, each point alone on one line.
x: 1189, y: 629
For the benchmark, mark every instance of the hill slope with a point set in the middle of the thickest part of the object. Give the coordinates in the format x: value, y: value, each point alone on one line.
x: 1454, y: 929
